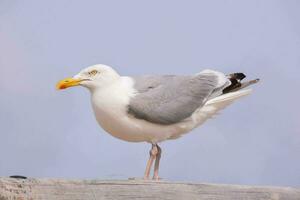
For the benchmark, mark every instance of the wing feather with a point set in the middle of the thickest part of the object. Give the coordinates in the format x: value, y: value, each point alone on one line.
x: 171, y: 99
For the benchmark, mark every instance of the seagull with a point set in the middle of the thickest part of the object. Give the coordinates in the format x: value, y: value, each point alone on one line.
x: 156, y: 108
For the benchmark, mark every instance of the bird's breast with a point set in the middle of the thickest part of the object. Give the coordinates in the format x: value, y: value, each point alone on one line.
x: 110, y: 108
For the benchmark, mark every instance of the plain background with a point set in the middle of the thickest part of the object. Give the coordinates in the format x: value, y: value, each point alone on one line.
x: 49, y: 133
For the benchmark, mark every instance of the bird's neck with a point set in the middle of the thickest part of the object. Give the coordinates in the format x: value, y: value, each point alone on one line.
x: 114, y: 97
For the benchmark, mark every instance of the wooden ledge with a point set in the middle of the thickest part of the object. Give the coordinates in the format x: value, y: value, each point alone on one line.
x: 56, y: 189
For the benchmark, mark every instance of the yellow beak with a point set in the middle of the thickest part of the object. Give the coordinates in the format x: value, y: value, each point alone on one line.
x: 67, y: 82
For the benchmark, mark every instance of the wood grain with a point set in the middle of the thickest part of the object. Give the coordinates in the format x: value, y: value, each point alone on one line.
x: 21, y: 189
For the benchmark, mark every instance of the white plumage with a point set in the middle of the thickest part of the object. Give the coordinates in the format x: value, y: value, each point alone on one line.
x: 110, y: 108
x: 156, y: 108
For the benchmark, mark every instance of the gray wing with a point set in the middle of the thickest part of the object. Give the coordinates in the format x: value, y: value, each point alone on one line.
x: 171, y: 99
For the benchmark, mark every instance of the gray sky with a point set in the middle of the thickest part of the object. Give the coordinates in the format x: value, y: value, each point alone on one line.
x: 49, y: 133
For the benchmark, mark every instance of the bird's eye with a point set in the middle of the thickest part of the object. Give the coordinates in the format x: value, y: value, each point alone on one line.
x: 93, y: 72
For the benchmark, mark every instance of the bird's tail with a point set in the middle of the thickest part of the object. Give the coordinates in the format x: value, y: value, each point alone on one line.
x: 232, y: 92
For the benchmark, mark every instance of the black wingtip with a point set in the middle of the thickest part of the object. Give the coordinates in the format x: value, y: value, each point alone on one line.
x: 236, y: 83
x: 237, y: 76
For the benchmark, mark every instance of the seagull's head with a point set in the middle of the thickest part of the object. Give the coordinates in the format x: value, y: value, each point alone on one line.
x: 92, y: 77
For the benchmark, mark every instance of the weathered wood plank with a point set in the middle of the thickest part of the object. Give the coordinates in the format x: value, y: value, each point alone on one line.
x: 11, y: 188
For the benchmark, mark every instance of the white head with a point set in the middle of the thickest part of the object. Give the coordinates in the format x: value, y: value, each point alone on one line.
x: 92, y: 77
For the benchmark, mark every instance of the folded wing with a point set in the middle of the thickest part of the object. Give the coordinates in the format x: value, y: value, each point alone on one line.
x: 171, y: 99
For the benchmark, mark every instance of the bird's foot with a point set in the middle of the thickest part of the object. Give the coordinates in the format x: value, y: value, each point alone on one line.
x: 156, y: 178
x: 136, y: 179
x: 145, y: 179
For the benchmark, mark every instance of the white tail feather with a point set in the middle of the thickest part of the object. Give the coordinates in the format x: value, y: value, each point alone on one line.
x: 213, y: 106
x: 229, y: 97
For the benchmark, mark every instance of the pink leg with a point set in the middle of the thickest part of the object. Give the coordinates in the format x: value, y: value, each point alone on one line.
x: 153, y: 152
x: 156, y: 166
